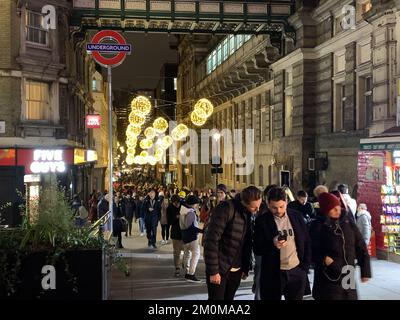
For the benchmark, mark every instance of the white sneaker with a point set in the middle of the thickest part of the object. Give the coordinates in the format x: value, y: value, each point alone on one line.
x: 142, y: 234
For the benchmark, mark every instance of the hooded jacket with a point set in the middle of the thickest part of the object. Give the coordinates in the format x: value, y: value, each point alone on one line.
x: 364, y: 224
x: 189, y: 224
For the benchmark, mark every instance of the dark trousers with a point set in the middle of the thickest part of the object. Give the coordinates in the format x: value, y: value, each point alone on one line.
x: 165, y: 231
x: 227, y: 288
x: 151, y: 232
x: 119, y: 241
x: 293, y: 283
x: 129, y: 230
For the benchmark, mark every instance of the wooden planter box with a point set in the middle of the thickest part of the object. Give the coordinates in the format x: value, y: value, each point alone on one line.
x: 84, y: 265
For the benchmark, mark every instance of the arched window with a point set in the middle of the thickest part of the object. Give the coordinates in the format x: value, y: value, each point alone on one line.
x: 261, y: 175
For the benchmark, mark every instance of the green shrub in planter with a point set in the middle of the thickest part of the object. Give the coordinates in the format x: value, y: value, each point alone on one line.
x: 50, y: 237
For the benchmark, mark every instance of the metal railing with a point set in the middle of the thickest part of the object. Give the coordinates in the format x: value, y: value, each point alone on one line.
x: 103, y: 227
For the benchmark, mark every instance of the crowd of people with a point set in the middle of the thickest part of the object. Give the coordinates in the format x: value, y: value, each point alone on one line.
x: 278, y: 236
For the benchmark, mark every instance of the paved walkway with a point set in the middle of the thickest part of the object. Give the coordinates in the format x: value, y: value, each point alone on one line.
x: 152, y: 277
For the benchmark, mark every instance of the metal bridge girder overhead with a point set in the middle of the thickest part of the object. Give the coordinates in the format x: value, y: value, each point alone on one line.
x: 185, y: 16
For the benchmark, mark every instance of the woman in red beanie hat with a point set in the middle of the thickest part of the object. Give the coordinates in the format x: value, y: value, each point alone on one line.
x: 336, y: 244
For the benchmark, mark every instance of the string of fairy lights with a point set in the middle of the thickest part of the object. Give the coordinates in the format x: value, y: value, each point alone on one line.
x: 153, y: 152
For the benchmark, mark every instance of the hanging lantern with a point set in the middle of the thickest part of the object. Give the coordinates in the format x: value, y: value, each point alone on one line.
x: 160, y: 124
x: 196, y: 119
x: 131, y: 142
x: 158, y: 152
x: 130, y: 151
x: 136, y: 120
x: 150, y: 133
x: 132, y: 131
x: 141, y: 105
x: 167, y: 141
x: 130, y: 159
x: 204, y: 108
x: 146, y: 144
x: 144, y: 154
x: 180, y: 132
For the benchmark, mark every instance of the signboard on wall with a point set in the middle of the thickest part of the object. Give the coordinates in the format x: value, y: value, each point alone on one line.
x: 379, y: 146
x: 93, y: 121
x: 45, y: 160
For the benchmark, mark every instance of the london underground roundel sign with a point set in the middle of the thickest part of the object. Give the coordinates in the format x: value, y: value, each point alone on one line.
x: 105, y: 43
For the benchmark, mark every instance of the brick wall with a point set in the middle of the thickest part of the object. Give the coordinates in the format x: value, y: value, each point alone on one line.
x: 5, y: 34
x: 369, y: 190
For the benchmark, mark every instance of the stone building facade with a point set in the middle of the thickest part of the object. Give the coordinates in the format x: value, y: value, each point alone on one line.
x: 310, y: 102
x: 45, y: 86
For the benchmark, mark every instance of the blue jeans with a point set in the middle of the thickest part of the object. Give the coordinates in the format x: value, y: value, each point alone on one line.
x: 142, y: 225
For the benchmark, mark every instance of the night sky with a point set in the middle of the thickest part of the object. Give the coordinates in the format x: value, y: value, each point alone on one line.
x: 141, y: 69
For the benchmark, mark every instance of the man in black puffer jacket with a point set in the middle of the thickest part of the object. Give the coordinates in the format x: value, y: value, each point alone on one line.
x: 227, y: 244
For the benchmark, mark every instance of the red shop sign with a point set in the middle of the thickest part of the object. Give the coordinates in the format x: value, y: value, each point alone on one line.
x: 93, y: 121
x: 45, y: 160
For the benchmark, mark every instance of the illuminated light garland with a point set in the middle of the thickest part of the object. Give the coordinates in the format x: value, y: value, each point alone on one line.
x: 141, y: 105
x: 160, y: 125
x: 196, y: 119
x: 167, y: 141
x: 151, y: 160
x: 146, y: 144
x: 130, y: 151
x: 132, y: 131
x: 150, y: 133
x: 136, y: 120
x: 144, y: 154
x: 140, y: 160
x: 204, y: 108
x: 158, y: 157
x: 130, y: 159
x: 158, y: 152
x: 180, y: 132
x: 131, y: 142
